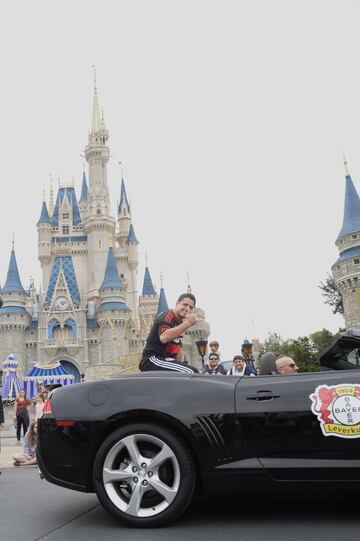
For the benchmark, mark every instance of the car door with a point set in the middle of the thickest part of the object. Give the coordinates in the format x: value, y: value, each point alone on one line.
x: 296, y: 433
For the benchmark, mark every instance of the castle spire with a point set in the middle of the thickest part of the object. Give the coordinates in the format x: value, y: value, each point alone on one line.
x: 84, y: 189
x: 351, y: 222
x: 148, y: 288
x: 13, y: 283
x: 51, y: 201
x: 163, y: 305
x: 123, y: 197
x: 112, y: 279
x: 44, y: 216
x: 96, y: 110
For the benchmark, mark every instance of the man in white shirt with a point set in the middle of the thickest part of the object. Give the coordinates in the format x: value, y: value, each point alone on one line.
x: 240, y: 368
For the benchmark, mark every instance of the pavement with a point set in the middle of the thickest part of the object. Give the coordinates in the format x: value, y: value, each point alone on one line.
x: 8, y: 444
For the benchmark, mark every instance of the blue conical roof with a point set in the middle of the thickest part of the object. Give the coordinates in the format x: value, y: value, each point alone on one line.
x: 111, y: 279
x: 148, y: 288
x: 84, y: 189
x: 44, y: 216
x: 163, y: 305
x: 351, y: 223
x: 132, y: 236
x: 123, y: 196
x: 13, y: 283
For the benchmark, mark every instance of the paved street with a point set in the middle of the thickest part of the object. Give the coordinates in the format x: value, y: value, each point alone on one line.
x: 32, y: 509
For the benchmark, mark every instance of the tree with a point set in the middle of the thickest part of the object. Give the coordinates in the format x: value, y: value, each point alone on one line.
x: 305, y: 350
x: 332, y: 296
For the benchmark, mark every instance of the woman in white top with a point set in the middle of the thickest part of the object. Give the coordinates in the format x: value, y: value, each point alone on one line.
x: 39, y: 406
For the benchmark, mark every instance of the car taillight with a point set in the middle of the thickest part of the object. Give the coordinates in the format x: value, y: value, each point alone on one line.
x: 65, y: 423
x: 47, y: 406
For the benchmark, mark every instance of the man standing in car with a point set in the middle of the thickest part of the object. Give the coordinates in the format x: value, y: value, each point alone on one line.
x: 163, y: 349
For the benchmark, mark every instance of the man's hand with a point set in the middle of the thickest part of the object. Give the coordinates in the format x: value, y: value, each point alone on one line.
x: 191, y: 319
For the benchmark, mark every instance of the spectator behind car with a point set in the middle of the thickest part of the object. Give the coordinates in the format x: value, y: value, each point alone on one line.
x: 240, y: 367
x: 214, y: 367
x: 286, y: 365
x: 268, y: 364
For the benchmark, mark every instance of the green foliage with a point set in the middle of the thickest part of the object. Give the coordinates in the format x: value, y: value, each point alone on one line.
x: 305, y: 350
x: 331, y: 295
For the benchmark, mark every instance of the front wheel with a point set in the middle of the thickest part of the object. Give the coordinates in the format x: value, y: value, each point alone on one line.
x: 144, y: 475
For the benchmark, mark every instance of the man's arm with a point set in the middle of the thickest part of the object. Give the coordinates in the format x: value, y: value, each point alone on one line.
x: 170, y: 334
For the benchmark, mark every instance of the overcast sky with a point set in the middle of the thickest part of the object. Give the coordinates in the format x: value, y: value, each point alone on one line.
x: 231, y: 119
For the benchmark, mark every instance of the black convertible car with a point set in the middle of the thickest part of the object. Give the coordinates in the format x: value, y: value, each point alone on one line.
x: 146, y: 443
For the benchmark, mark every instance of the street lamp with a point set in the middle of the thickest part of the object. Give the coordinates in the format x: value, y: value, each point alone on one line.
x: 201, y: 345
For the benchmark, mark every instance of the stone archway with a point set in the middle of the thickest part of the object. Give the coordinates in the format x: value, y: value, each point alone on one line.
x: 71, y: 368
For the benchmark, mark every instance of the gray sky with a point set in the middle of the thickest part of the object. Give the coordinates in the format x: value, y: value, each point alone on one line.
x: 231, y: 119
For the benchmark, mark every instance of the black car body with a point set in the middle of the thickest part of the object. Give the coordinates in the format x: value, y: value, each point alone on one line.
x: 145, y: 443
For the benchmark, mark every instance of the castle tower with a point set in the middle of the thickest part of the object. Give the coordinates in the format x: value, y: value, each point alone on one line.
x: 163, y: 305
x: 113, y: 313
x: 148, y: 303
x: 199, y: 331
x: 99, y: 225
x: 44, y: 227
x: 133, y: 260
x: 14, y: 318
x: 346, y: 270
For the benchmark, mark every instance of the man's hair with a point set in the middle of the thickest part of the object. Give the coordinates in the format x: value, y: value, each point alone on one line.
x: 187, y: 296
x: 214, y: 355
x: 240, y: 357
x: 214, y: 343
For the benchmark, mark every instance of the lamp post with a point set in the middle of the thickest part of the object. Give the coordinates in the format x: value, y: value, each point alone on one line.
x: 201, y: 345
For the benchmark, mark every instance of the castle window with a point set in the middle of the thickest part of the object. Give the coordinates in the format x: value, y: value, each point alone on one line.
x: 121, y: 276
x: 98, y: 211
x: 338, y: 267
x: 124, y: 212
x: 66, y: 216
x: 354, y: 236
x: 66, y: 230
x: 356, y: 261
x: 99, y: 243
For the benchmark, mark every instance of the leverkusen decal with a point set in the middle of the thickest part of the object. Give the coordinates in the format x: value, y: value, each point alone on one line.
x: 337, y: 407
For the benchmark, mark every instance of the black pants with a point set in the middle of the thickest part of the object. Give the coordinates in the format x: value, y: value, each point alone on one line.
x: 21, y: 420
x: 168, y: 364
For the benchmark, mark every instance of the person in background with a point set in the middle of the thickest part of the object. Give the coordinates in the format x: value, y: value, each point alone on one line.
x: 240, y: 367
x: 28, y: 457
x: 1, y: 413
x: 213, y: 366
x: 247, y: 353
x: 214, y: 348
x: 39, y: 405
x: 21, y: 414
x: 286, y: 365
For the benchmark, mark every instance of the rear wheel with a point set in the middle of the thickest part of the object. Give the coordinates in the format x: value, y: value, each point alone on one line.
x: 144, y: 475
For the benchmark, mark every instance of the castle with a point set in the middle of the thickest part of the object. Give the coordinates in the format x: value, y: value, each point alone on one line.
x: 88, y: 315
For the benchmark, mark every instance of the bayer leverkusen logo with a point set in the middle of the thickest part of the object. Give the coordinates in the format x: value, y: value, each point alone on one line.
x: 337, y: 407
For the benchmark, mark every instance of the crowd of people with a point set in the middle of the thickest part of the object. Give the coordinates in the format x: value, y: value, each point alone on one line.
x: 29, y: 429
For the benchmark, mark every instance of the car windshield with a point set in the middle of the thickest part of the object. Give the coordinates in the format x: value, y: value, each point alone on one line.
x: 352, y: 357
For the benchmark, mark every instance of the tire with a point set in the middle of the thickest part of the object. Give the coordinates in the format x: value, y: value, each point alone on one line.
x: 144, y: 475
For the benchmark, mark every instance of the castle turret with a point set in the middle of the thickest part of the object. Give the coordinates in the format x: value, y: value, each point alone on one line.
x: 163, y: 305
x: 124, y: 216
x: 14, y: 318
x: 99, y: 225
x: 148, y: 303
x: 44, y: 227
x: 346, y: 270
x: 132, y: 250
x: 83, y: 201
x: 113, y: 312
